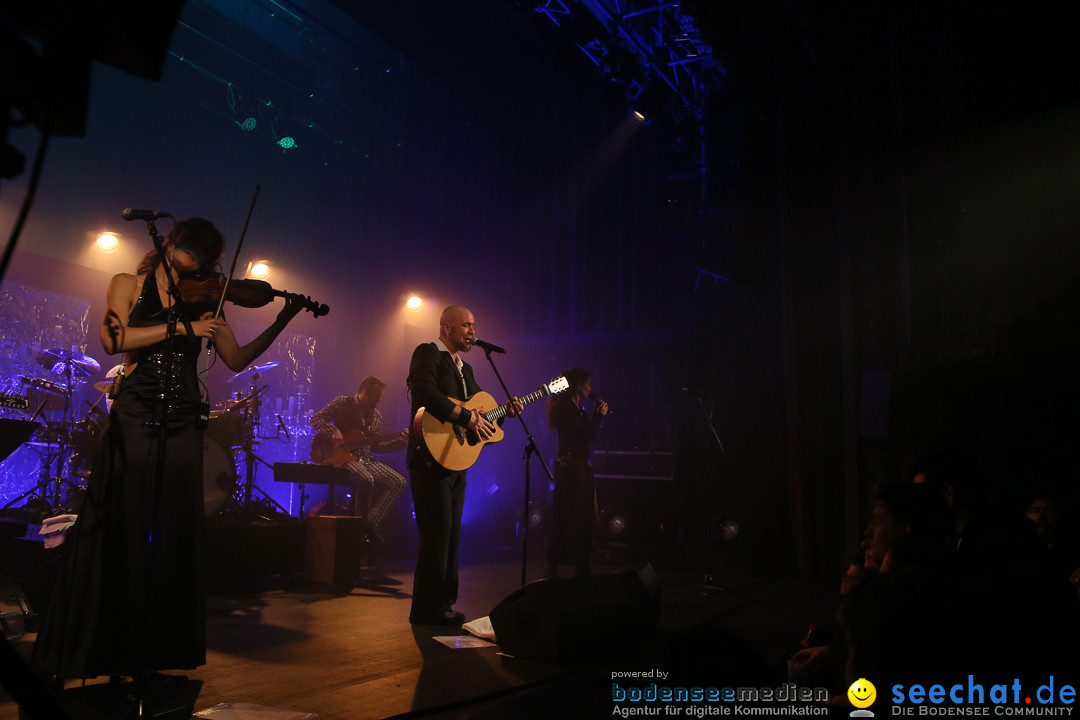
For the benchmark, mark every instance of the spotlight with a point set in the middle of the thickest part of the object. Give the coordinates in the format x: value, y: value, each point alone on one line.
x: 729, y: 529
x: 248, y: 124
x: 536, y: 514
x: 614, y: 522
x: 415, y: 303
x: 650, y: 103
x: 535, y: 517
x: 108, y: 242
x: 286, y: 143
x: 258, y: 269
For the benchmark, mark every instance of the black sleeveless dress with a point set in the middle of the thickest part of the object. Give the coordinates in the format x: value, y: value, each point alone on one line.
x: 123, y: 602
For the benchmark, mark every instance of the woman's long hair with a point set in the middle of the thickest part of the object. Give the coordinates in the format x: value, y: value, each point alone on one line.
x: 577, y: 377
x: 198, y: 236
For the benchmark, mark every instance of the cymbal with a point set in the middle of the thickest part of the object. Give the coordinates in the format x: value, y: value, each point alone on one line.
x: 254, y: 369
x: 103, y: 385
x: 83, y: 363
x: 232, y: 404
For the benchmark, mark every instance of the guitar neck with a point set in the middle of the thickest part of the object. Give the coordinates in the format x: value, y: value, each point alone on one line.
x: 504, y: 409
x: 369, y: 442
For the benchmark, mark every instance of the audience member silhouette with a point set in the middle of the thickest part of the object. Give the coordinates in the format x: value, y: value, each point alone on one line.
x: 1053, y: 513
x: 823, y: 665
x: 893, y: 624
x: 953, y: 585
x: 1002, y: 596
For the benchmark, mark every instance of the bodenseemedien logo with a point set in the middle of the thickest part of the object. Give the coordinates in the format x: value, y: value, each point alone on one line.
x: 656, y: 699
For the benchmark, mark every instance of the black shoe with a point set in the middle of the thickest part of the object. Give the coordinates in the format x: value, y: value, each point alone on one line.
x: 446, y: 617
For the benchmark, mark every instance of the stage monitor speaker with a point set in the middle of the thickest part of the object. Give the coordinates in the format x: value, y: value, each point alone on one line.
x: 14, y: 433
x: 576, y: 619
x: 26, y: 688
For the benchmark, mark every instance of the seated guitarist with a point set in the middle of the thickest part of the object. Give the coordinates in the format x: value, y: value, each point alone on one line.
x: 347, y: 421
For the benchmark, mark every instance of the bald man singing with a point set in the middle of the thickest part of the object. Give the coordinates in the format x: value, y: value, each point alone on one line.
x: 438, y: 375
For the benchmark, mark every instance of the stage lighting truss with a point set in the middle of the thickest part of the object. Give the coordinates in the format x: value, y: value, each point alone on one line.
x: 665, y: 48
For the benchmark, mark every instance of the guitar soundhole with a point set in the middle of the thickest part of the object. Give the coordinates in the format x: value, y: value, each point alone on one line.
x: 465, y: 437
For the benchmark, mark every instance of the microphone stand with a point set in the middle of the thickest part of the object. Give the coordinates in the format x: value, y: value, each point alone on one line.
x: 140, y: 680
x: 708, y: 421
x: 708, y: 583
x: 530, y: 448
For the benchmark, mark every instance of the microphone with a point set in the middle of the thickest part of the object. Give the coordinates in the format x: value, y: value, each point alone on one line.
x: 148, y: 215
x: 487, y: 346
x: 281, y: 424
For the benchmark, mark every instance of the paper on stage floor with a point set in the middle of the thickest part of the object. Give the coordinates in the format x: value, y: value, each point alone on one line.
x: 54, y: 529
x: 481, y: 632
x: 248, y: 711
x: 481, y: 627
x: 457, y: 642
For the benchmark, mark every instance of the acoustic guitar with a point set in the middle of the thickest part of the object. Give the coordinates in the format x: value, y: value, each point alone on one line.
x: 324, y: 452
x: 457, y: 448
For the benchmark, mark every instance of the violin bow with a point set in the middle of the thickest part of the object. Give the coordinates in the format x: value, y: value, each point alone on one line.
x: 201, y: 369
x: 239, y: 244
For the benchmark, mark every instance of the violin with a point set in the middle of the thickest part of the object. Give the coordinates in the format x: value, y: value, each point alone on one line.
x: 202, y: 289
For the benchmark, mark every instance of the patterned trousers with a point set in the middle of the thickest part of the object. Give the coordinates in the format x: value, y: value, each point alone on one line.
x: 384, y: 483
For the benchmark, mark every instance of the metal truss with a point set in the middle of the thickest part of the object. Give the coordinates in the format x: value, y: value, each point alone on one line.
x: 668, y: 49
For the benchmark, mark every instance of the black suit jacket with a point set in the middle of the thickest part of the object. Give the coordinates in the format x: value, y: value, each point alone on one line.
x: 433, y: 380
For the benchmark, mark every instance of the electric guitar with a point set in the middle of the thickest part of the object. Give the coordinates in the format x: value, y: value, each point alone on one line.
x: 457, y: 448
x: 324, y: 452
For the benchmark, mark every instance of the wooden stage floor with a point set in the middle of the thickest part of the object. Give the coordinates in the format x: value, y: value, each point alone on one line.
x: 285, y: 649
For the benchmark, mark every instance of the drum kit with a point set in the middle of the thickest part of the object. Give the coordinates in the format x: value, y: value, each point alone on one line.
x: 233, y: 428
x: 63, y: 446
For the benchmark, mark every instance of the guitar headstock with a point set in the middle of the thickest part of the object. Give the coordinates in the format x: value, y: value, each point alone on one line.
x: 558, y: 385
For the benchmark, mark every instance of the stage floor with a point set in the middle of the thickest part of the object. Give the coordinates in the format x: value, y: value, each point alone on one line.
x: 281, y: 648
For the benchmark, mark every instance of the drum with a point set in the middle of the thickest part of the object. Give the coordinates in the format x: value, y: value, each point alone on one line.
x: 229, y: 428
x: 219, y: 475
x: 84, y: 440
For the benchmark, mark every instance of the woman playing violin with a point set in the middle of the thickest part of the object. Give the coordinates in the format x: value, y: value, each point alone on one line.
x: 129, y: 602
x: 194, y: 246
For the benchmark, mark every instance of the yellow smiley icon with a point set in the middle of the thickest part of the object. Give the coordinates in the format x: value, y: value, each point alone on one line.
x: 862, y: 693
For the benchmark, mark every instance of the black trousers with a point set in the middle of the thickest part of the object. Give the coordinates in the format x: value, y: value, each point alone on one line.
x: 438, y: 500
